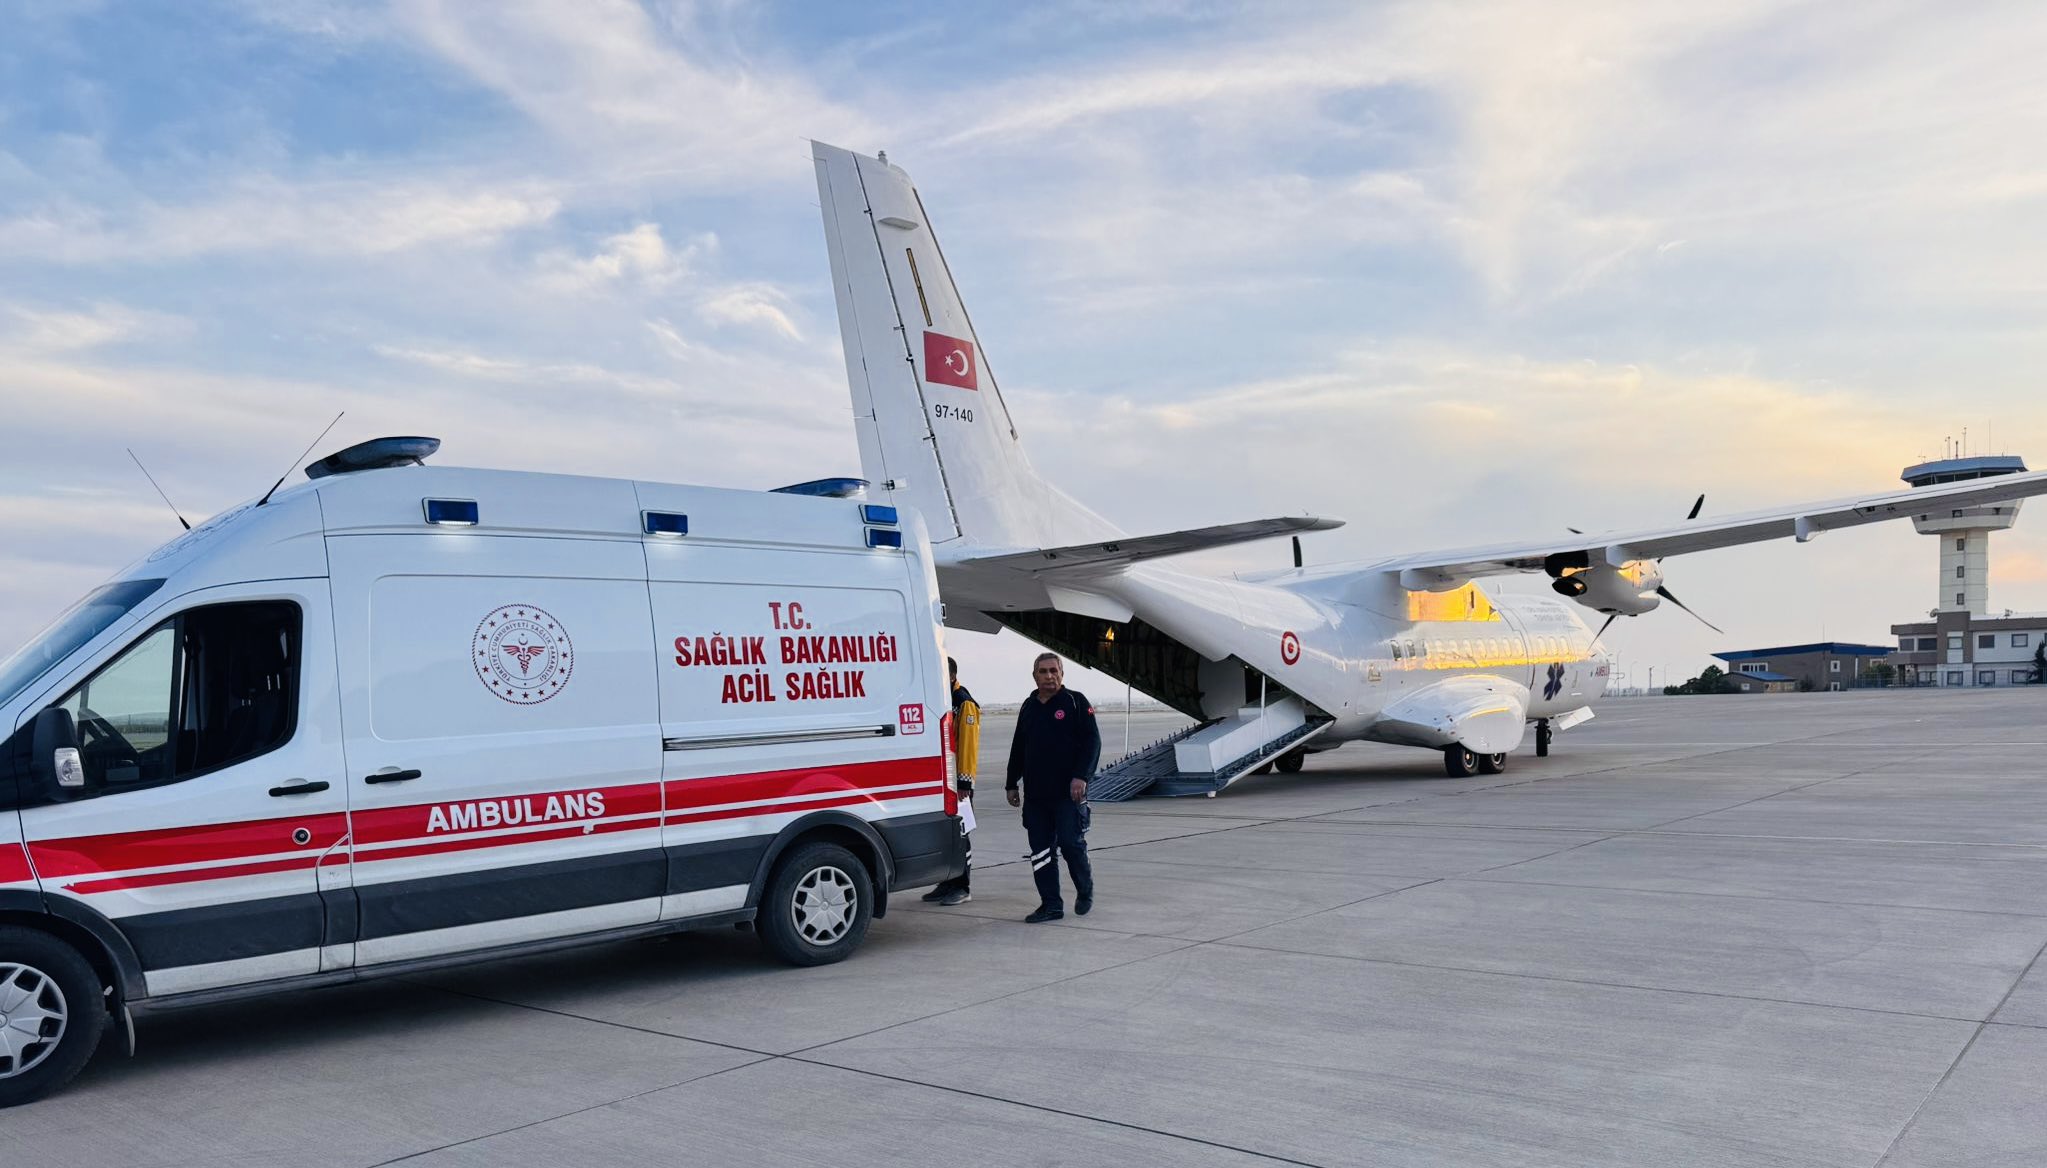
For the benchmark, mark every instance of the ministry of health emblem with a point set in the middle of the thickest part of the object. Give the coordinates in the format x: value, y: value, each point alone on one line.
x: 522, y: 654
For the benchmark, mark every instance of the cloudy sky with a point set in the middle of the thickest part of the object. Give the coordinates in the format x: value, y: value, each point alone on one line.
x: 1453, y: 272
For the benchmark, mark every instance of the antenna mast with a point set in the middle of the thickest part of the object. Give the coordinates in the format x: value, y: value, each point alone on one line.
x: 296, y: 461
x: 159, y: 490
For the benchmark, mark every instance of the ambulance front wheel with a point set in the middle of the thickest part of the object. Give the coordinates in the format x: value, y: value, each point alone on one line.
x: 52, y: 1012
x: 1291, y: 762
x: 817, y: 905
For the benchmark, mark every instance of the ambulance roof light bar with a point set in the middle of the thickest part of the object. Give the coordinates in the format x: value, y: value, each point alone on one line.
x: 376, y: 454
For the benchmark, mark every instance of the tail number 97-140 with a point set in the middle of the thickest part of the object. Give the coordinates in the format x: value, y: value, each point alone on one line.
x: 946, y: 413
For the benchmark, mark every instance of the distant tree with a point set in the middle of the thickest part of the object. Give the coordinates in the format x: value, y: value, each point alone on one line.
x: 1805, y: 685
x: 2040, y: 663
x: 1881, y: 673
x: 1711, y: 680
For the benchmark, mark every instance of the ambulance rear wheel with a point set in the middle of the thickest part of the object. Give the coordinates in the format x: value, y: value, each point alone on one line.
x: 1458, y: 762
x: 1291, y: 762
x: 52, y: 1012
x: 817, y: 905
x: 1491, y: 764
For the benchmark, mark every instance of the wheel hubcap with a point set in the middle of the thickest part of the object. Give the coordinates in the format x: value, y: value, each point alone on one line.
x: 826, y: 901
x: 32, y: 1018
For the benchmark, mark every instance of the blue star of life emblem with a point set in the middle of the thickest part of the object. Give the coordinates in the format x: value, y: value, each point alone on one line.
x: 1555, y: 684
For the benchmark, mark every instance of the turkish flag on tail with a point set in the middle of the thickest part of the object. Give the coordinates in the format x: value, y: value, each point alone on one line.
x: 950, y: 361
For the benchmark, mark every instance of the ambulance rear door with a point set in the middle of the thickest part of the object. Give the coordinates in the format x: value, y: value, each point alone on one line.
x: 790, y: 685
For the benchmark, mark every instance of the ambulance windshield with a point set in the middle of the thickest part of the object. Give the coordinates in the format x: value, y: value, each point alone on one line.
x: 80, y: 623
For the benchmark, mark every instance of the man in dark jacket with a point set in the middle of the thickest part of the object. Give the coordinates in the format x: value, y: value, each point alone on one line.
x: 1052, y: 758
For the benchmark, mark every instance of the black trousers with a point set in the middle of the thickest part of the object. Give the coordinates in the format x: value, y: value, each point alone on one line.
x: 1057, y: 826
x: 964, y: 881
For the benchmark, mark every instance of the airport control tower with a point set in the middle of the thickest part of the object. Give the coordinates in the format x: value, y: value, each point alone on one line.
x: 1965, y: 533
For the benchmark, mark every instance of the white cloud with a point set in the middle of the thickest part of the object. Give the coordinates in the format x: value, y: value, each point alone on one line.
x: 262, y: 213
x: 753, y: 304
x: 48, y: 331
x: 641, y: 256
x: 673, y: 100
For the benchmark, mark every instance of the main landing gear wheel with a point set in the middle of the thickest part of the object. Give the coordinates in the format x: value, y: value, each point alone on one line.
x: 817, y: 905
x: 1458, y: 762
x: 1542, y: 737
x: 1491, y: 764
x: 52, y: 1012
x: 1291, y: 762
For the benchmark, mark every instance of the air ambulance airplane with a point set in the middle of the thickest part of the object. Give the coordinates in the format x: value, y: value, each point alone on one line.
x: 1407, y: 649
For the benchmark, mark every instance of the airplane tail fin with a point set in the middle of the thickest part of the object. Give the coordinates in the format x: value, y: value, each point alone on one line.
x: 934, y: 431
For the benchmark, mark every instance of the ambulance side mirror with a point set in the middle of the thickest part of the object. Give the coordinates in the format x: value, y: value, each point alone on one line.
x: 53, y: 753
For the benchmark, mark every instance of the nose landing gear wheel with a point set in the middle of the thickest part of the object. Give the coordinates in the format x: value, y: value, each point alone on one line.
x: 1542, y: 738
x: 1458, y: 762
x: 1491, y: 764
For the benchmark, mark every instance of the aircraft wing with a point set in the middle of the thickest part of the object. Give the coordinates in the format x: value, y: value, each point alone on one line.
x: 1124, y: 550
x: 1802, y: 522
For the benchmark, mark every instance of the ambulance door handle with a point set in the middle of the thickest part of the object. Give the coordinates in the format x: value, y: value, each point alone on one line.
x: 300, y: 788
x: 391, y: 777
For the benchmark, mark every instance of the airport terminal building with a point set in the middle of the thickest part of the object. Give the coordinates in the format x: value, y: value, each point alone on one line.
x: 1824, y: 665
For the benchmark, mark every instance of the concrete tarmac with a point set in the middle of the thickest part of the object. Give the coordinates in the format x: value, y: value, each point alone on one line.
x: 1744, y: 930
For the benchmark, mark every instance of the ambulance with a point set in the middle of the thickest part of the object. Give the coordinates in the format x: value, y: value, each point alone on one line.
x: 401, y: 716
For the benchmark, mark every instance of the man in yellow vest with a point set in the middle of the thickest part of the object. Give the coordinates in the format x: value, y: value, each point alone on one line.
x: 966, y: 752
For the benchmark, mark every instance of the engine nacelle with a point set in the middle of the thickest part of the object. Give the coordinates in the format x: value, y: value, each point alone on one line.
x: 1629, y: 590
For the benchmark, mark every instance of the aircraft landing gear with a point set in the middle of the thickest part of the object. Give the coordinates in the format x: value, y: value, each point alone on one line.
x: 1542, y: 737
x: 1458, y: 762
x: 1491, y: 764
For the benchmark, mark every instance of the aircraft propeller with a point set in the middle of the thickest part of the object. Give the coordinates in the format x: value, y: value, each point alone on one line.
x: 1698, y: 504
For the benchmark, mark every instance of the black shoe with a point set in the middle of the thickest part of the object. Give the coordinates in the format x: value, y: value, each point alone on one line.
x: 935, y: 895
x: 1083, y: 903
x: 1044, y: 913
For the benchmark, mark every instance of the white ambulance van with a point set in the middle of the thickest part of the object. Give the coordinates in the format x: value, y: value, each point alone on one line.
x: 402, y: 716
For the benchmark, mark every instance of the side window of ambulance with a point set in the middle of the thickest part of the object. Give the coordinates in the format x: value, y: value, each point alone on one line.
x: 205, y: 689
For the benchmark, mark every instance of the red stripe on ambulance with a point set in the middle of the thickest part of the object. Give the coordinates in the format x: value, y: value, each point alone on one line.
x: 14, y: 868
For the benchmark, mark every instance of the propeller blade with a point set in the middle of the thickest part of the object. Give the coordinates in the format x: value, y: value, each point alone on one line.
x: 1604, y: 627
x: 1297, y: 551
x: 1574, y: 531
x: 1666, y: 594
x: 1696, y: 504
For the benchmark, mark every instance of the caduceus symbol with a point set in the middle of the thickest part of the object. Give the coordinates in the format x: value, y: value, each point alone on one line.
x: 525, y: 655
